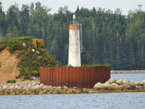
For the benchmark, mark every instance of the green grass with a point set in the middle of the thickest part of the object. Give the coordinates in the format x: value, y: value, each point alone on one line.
x: 2, y: 46
x: 11, y: 81
x: 98, y: 65
x: 15, y: 43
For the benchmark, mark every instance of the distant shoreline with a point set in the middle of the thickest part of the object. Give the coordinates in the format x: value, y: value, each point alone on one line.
x: 127, y: 71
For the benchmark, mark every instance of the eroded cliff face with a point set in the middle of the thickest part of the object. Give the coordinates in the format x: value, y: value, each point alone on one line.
x: 8, y: 66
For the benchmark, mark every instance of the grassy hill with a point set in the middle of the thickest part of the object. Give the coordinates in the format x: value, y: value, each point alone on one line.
x: 31, y: 54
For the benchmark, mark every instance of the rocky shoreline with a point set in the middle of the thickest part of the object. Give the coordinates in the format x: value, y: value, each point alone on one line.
x: 34, y: 88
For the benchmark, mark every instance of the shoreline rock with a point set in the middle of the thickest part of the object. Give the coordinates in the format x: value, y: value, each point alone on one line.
x: 121, y: 84
x: 34, y: 87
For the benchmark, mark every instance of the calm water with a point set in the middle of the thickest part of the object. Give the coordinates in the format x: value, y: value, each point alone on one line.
x: 79, y: 101
x: 130, y: 77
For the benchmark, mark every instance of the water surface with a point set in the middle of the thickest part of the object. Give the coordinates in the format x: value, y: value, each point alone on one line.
x: 78, y: 101
x: 131, y: 77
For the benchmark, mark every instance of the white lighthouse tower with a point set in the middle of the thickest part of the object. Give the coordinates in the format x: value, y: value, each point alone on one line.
x: 74, y: 56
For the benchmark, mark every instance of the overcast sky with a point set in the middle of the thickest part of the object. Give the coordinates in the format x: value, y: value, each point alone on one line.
x: 124, y: 5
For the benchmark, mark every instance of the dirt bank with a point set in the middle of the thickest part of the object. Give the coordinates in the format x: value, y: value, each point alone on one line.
x: 8, y: 66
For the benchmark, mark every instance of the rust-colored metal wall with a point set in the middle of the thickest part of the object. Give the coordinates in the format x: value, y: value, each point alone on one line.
x: 83, y: 77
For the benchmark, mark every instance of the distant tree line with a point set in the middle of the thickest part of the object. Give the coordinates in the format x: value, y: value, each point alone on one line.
x: 108, y: 37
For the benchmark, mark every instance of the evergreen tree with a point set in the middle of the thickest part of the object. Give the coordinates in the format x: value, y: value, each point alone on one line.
x: 108, y: 38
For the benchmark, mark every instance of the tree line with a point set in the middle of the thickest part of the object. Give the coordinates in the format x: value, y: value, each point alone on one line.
x: 108, y: 37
